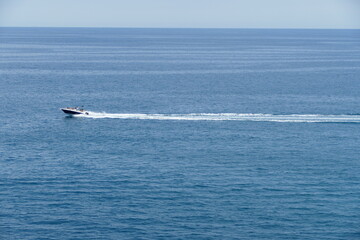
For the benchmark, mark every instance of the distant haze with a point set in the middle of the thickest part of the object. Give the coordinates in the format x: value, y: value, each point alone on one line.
x: 181, y: 13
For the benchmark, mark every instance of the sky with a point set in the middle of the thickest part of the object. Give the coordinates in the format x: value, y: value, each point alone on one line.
x: 181, y: 13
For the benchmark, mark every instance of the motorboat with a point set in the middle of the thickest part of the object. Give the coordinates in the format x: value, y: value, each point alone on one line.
x: 74, y: 111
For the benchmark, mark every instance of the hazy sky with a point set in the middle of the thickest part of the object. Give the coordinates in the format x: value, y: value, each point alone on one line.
x: 182, y: 13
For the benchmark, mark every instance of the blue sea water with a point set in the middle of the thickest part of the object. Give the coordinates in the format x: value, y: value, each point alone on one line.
x: 192, y: 134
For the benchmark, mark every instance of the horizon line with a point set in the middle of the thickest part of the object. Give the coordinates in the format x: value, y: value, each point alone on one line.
x: 248, y: 28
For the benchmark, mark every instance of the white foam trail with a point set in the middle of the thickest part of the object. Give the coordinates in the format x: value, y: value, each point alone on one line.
x: 311, y: 118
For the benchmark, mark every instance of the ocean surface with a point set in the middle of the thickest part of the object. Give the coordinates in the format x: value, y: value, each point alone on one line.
x: 192, y: 134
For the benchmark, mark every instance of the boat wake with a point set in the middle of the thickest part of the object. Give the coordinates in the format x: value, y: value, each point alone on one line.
x: 310, y: 118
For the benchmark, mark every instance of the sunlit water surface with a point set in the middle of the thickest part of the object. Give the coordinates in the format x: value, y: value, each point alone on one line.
x: 191, y: 134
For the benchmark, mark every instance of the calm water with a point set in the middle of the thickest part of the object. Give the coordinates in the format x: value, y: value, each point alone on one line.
x: 192, y: 134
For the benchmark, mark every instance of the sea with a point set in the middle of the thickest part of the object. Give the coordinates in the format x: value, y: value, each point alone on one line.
x: 191, y: 133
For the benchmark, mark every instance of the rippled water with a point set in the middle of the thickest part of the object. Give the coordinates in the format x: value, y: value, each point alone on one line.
x: 191, y: 134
